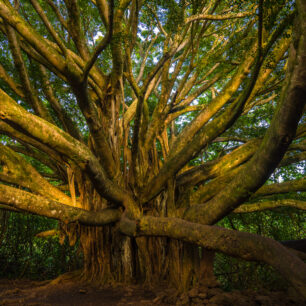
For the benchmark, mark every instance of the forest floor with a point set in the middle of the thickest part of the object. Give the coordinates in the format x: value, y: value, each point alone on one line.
x: 25, y: 292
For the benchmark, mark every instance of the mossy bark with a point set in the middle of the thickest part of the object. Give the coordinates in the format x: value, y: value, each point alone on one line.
x: 111, y: 258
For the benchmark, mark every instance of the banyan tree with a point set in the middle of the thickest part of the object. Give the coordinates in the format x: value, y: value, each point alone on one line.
x: 139, y: 125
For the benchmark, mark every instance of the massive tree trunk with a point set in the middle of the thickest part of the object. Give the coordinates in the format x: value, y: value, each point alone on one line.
x: 110, y: 257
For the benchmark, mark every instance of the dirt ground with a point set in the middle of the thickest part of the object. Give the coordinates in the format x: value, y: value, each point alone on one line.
x: 25, y: 292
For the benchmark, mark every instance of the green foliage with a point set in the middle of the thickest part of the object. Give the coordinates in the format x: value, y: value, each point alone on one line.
x: 281, y: 224
x: 24, y: 255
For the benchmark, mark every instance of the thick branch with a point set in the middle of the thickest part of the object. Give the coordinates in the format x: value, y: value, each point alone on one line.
x: 103, y: 10
x: 96, y: 128
x: 234, y: 243
x: 218, y: 17
x: 41, y: 206
x: 208, y: 112
x: 18, y: 171
x: 265, y: 205
x: 220, y: 166
x: 290, y: 186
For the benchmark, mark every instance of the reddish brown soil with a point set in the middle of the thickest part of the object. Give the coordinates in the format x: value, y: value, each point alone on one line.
x: 23, y: 292
x: 68, y: 292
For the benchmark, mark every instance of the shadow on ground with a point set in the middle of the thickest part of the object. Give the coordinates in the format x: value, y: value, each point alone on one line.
x: 68, y: 292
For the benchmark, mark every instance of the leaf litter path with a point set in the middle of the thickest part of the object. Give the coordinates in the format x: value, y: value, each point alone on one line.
x: 24, y: 292
x: 59, y: 292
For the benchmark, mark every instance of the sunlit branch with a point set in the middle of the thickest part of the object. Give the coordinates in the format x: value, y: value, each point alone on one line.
x: 48, y: 25
x: 25, y: 201
x: 203, y: 117
x: 19, y: 172
x: 267, y: 205
x: 103, y: 10
x: 166, y: 56
x: 218, y: 17
x: 130, y: 113
x: 219, y: 166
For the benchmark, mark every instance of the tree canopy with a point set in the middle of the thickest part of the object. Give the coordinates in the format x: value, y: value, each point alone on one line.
x: 157, y: 118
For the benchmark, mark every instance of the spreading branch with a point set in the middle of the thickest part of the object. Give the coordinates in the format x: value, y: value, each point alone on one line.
x: 25, y: 201
x: 234, y: 243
